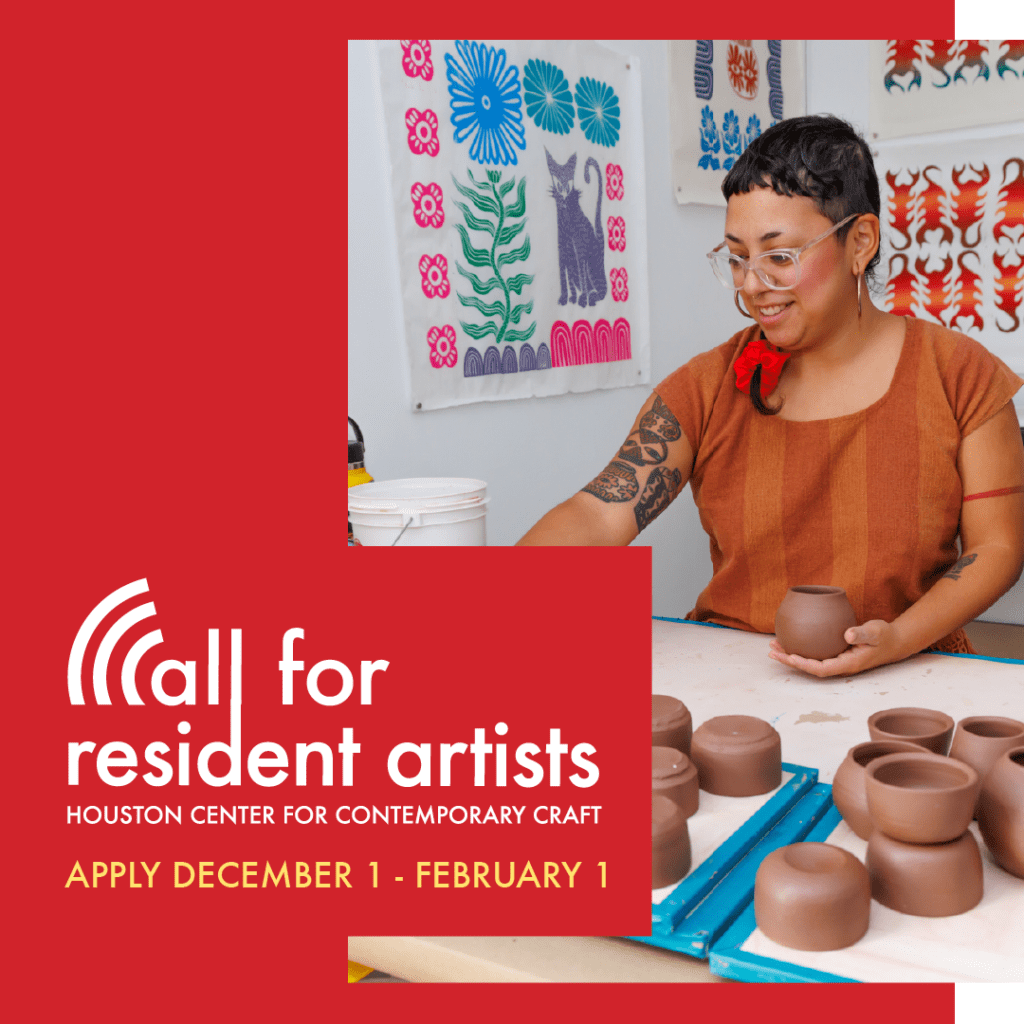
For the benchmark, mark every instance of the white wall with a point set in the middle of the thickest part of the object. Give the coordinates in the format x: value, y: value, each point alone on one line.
x: 535, y: 452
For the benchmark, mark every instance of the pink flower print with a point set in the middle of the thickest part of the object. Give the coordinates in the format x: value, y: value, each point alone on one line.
x: 422, y: 131
x: 426, y: 205
x: 416, y: 58
x: 442, y: 346
x: 613, y: 181
x: 434, y: 270
x: 620, y: 283
x: 617, y: 233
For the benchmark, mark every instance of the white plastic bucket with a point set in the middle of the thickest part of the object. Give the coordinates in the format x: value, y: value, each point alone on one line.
x: 427, y: 511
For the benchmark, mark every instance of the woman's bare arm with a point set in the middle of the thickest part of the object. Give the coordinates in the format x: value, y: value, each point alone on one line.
x: 991, y: 536
x: 648, y: 471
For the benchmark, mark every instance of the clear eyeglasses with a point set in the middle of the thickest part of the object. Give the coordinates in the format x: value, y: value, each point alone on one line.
x: 777, y: 268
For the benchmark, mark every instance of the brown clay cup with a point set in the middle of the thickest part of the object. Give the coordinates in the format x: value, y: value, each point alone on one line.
x: 940, y: 880
x: 929, y: 729
x: 980, y: 740
x: 1001, y: 811
x: 811, y: 622
x: 812, y: 896
x: 674, y: 775
x: 671, y: 724
x: 921, y: 797
x: 848, y: 792
x: 670, y: 842
x: 737, y: 755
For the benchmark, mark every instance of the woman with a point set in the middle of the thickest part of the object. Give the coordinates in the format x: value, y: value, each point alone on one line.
x: 830, y: 442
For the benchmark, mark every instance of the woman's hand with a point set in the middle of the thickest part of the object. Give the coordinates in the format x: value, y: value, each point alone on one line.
x: 872, y: 643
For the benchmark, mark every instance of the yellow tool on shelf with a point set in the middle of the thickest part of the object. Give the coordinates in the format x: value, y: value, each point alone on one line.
x: 356, y: 474
x: 356, y: 454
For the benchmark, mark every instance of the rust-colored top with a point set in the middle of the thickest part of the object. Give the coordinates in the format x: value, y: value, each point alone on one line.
x: 869, y: 502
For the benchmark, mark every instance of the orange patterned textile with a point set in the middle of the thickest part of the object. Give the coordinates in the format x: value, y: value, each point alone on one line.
x: 869, y: 502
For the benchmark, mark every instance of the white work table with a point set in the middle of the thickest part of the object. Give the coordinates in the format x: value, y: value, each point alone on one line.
x: 715, y: 672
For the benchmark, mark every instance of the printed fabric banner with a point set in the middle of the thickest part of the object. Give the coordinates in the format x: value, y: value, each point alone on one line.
x: 932, y: 85
x: 953, y: 238
x: 722, y: 94
x: 518, y: 184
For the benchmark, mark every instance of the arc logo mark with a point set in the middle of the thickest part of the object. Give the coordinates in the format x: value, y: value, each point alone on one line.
x: 129, y: 686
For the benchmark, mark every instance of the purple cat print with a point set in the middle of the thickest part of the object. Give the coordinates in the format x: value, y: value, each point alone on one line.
x: 580, y: 243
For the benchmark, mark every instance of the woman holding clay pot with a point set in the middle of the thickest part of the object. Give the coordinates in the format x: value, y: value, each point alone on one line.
x: 829, y: 443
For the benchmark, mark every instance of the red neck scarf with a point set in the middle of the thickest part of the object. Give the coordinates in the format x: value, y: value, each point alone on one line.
x: 759, y: 353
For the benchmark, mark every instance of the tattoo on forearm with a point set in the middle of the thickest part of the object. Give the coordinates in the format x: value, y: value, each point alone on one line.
x: 961, y: 564
x: 617, y: 482
x: 658, y: 424
x: 645, y: 446
x: 648, y: 444
x: 643, y: 454
x: 660, y: 489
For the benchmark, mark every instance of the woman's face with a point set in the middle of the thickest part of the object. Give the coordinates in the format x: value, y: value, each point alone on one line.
x: 820, y: 303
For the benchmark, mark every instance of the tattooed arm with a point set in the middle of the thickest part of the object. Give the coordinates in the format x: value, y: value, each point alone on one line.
x: 991, y: 459
x: 648, y: 471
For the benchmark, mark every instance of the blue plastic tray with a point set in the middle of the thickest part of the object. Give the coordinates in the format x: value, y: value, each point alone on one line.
x: 728, y: 960
x: 713, y: 895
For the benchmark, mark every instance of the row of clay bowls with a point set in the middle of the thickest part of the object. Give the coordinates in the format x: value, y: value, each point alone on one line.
x: 914, y: 806
x: 879, y: 790
x: 674, y: 795
x: 732, y: 755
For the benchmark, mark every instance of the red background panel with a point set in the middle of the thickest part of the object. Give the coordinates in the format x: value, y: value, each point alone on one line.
x: 174, y: 360
x: 472, y: 638
x: 843, y: 1004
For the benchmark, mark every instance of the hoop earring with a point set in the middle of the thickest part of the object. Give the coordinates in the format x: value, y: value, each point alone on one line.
x: 736, y: 299
x: 860, y: 280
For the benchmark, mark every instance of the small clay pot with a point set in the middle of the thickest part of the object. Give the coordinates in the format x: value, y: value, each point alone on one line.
x: 921, y: 797
x: 670, y: 842
x: 929, y: 729
x: 674, y: 775
x: 811, y: 622
x: 927, y: 881
x: 848, y: 793
x: 812, y: 896
x: 1001, y: 811
x: 671, y: 724
x: 737, y: 755
x: 980, y: 740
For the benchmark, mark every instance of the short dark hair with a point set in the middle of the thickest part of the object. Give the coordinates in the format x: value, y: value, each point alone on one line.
x: 819, y: 156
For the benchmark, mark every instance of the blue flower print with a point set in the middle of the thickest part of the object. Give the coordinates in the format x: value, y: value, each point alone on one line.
x: 709, y: 140
x: 598, y: 107
x: 548, y: 100
x: 753, y: 129
x: 486, y: 103
x: 730, y: 137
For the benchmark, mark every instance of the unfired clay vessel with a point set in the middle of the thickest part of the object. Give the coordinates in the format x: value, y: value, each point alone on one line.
x: 671, y: 724
x: 848, y: 791
x: 980, y: 740
x: 921, y: 797
x: 737, y: 755
x: 811, y: 622
x: 812, y: 896
x: 929, y: 729
x: 1001, y: 811
x: 670, y: 842
x: 926, y: 881
x: 674, y: 775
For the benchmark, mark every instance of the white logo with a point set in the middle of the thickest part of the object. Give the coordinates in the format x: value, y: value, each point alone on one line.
x: 118, y: 630
x: 131, y: 618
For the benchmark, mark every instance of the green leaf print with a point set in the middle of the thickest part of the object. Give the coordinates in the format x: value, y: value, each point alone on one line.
x: 487, y: 213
